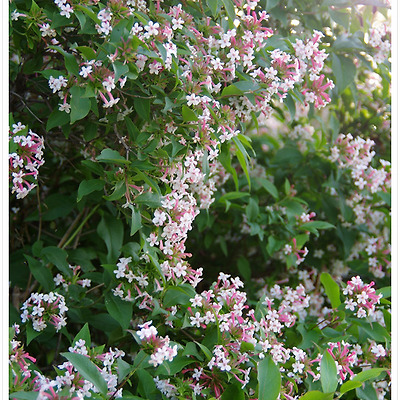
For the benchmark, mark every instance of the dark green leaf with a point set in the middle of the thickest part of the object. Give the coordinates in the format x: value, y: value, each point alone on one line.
x: 89, y: 186
x: 112, y: 156
x: 174, y: 366
x: 329, y: 379
x: 332, y: 289
x: 178, y: 295
x: 57, y: 118
x: 119, y: 309
x: 80, y: 106
x: 40, y: 273
x: 233, y: 392
x: 111, y: 231
x: 119, y: 191
x: 84, y: 334
x: 58, y: 257
x: 136, y: 220
x: 188, y: 114
x: 152, y: 200
x: 142, y: 107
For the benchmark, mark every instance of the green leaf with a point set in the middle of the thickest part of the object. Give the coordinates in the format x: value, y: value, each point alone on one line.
x: 119, y: 69
x: 269, y: 379
x: 136, y: 220
x: 291, y: 106
x: 58, y: 257
x: 332, y: 289
x: 111, y: 156
x: 88, y: 12
x: 80, y: 106
x: 174, y: 366
x: 178, y: 295
x: 231, y: 90
x: 188, y: 114
x: 146, y: 385
x: 111, y: 231
x: 24, y: 395
x: 119, y: 191
x: 233, y: 392
x: 120, y: 310
x: 386, y: 197
x: 349, y: 385
x: 233, y: 196
x: 142, y: 107
x: 213, y: 5
x: 344, y: 71
x: 317, y: 225
x: 230, y: 9
x: 89, y: 186
x: 329, y: 379
x: 87, y: 52
x: 57, y: 118
x: 71, y: 64
x: 244, y: 268
x: 84, y: 334
x: 152, y: 200
x: 271, y: 4
x: 40, y: 273
x: 88, y: 370
x: 269, y: 187
x: 317, y: 395
x: 368, y: 374
x: 366, y: 392
x: 252, y: 210
x: 123, y: 369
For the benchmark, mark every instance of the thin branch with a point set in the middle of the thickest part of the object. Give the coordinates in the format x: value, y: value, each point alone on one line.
x: 27, y: 107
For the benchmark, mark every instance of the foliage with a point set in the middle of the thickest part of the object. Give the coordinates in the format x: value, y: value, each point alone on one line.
x: 181, y: 145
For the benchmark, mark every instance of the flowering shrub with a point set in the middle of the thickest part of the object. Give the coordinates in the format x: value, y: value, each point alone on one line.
x: 216, y: 193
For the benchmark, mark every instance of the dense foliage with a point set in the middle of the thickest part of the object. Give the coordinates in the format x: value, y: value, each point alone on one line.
x: 200, y: 199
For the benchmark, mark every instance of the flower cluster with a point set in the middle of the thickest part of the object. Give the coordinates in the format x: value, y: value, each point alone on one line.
x: 357, y: 154
x: 66, y: 281
x: 25, y: 157
x: 70, y: 384
x: 19, y: 361
x: 160, y: 346
x: 361, y: 298
x: 381, y: 46
x: 45, y: 308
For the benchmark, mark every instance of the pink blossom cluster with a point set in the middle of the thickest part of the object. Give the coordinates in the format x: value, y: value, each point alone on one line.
x: 292, y: 249
x: 376, y: 40
x: 311, y: 59
x: 345, y: 358
x: 357, y: 154
x: 361, y: 298
x: 134, y: 284
x: 25, y: 159
x: 160, y: 346
x: 42, y: 309
x: 66, y: 281
x: 19, y: 362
